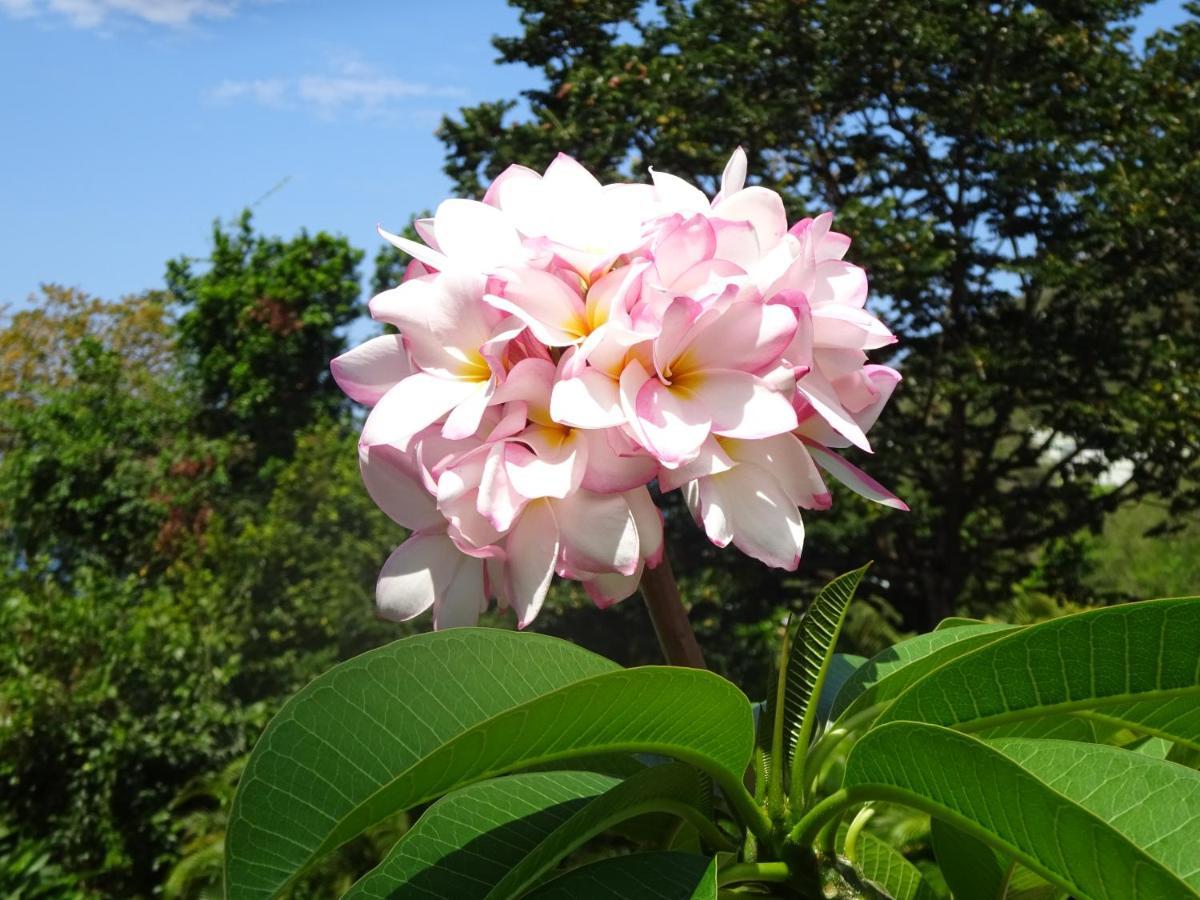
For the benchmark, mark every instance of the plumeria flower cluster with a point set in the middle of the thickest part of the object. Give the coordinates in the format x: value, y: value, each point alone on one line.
x: 563, y: 344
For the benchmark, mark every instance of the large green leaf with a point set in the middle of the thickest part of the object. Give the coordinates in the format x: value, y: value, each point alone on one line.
x: 674, y: 788
x: 812, y: 646
x: 411, y: 721
x: 1098, y: 821
x: 889, y: 673
x: 974, y: 871
x: 466, y: 843
x: 884, y: 866
x: 645, y: 876
x: 1120, y: 656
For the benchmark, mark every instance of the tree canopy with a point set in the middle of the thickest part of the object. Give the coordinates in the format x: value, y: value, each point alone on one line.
x: 1020, y: 183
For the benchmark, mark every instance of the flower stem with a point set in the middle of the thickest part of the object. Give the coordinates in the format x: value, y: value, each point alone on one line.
x: 738, y: 872
x: 667, y: 612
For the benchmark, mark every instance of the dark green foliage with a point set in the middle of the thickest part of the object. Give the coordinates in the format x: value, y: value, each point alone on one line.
x: 162, y: 586
x: 1021, y: 185
x: 259, y: 326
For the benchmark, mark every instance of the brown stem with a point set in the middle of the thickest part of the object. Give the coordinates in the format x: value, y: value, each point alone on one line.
x: 667, y: 612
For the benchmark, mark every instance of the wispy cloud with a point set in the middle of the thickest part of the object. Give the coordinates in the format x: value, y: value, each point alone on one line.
x: 351, y: 87
x: 98, y: 13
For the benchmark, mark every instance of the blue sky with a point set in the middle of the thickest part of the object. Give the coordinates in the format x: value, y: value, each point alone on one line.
x: 129, y: 125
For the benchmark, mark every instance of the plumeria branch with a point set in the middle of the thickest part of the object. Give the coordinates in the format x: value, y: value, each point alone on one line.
x: 669, y: 616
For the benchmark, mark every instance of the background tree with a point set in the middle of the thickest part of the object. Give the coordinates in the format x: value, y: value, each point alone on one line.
x: 259, y: 325
x: 163, y: 586
x: 1020, y: 188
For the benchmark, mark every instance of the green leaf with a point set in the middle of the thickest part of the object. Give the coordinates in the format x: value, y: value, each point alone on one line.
x: 673, y: 788
x: 1097, y: 821
x: 808, y: 662
x: 882, y: 865
x: 974, y: 871
x: 971, y: 868
x: 841, y: 669
x: 1116, y: 657
x: 466, y: 842
x: 404, y: 724
x: 956, y: 622
x: 889, y: 673
x: 646, y: 876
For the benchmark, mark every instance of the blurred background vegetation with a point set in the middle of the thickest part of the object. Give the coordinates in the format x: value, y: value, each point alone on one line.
x: 185, y: 538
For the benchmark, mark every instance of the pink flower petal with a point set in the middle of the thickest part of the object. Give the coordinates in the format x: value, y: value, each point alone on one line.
x: 553, y: 312
x: 741, y: 405
x: 855, y: 478
x: 673, y: 422
x: 415, y: 573
x: 415, y: 403
x: 371, y: 369
x: 532, y: 548
x: 393, y: 482
x: 761, y: 208
x: 475, y: 236
x: 597, y: 533
x: 442, y: 320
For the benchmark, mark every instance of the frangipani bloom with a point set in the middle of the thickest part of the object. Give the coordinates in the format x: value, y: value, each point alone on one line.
x: 564, y: 344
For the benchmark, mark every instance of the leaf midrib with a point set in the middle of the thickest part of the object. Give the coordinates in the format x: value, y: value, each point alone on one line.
x: 1068, y: 706
x: 705, y: 763
x: 865, y: 791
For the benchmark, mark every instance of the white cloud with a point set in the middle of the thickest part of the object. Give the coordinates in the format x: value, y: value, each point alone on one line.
x: 97, y: 13
x: 352, y: 88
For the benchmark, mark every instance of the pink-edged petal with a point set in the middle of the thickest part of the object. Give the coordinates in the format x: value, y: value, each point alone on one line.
x: 605, y: 590
x: 424, y: 229
x: 677, y: 195
x: 393, y: 482
x: 787, y: 459
x: 733, y: 179
x: 476, y: 236
x: 415, y: 403
x: 678, y: 323
x: 737, y: 242
x: 412, y: 576
x: 553, y: 312
x: 748, y: 336
x: 589, y: 400
x: 471, y: 532
x: 711, y: 460
x: 824, y: 401
x: 704, y: 502
x: 462, y: 599
x: 836, y: 325
x: 836, y: 281
x: 430, y: 257
x: 884, y: 380
x: 532, y: 548
x: 498, y: 501
x: 609, y: 472
x: 597, y: 533
x: 504, y: 183
x: 443, y: 321
x: 371, y: 369
x: 855, y: 478
x: 549, y: 470
x: 741, y: 405
x: 762, y: 519
x: 673, y: 422
x: 692, y: 241
x: 827, y: 244
x: 761, y: 208
x: 465, y: 418
x: 629, y: 385
x: 531, y: 382
x: 648, y: 520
